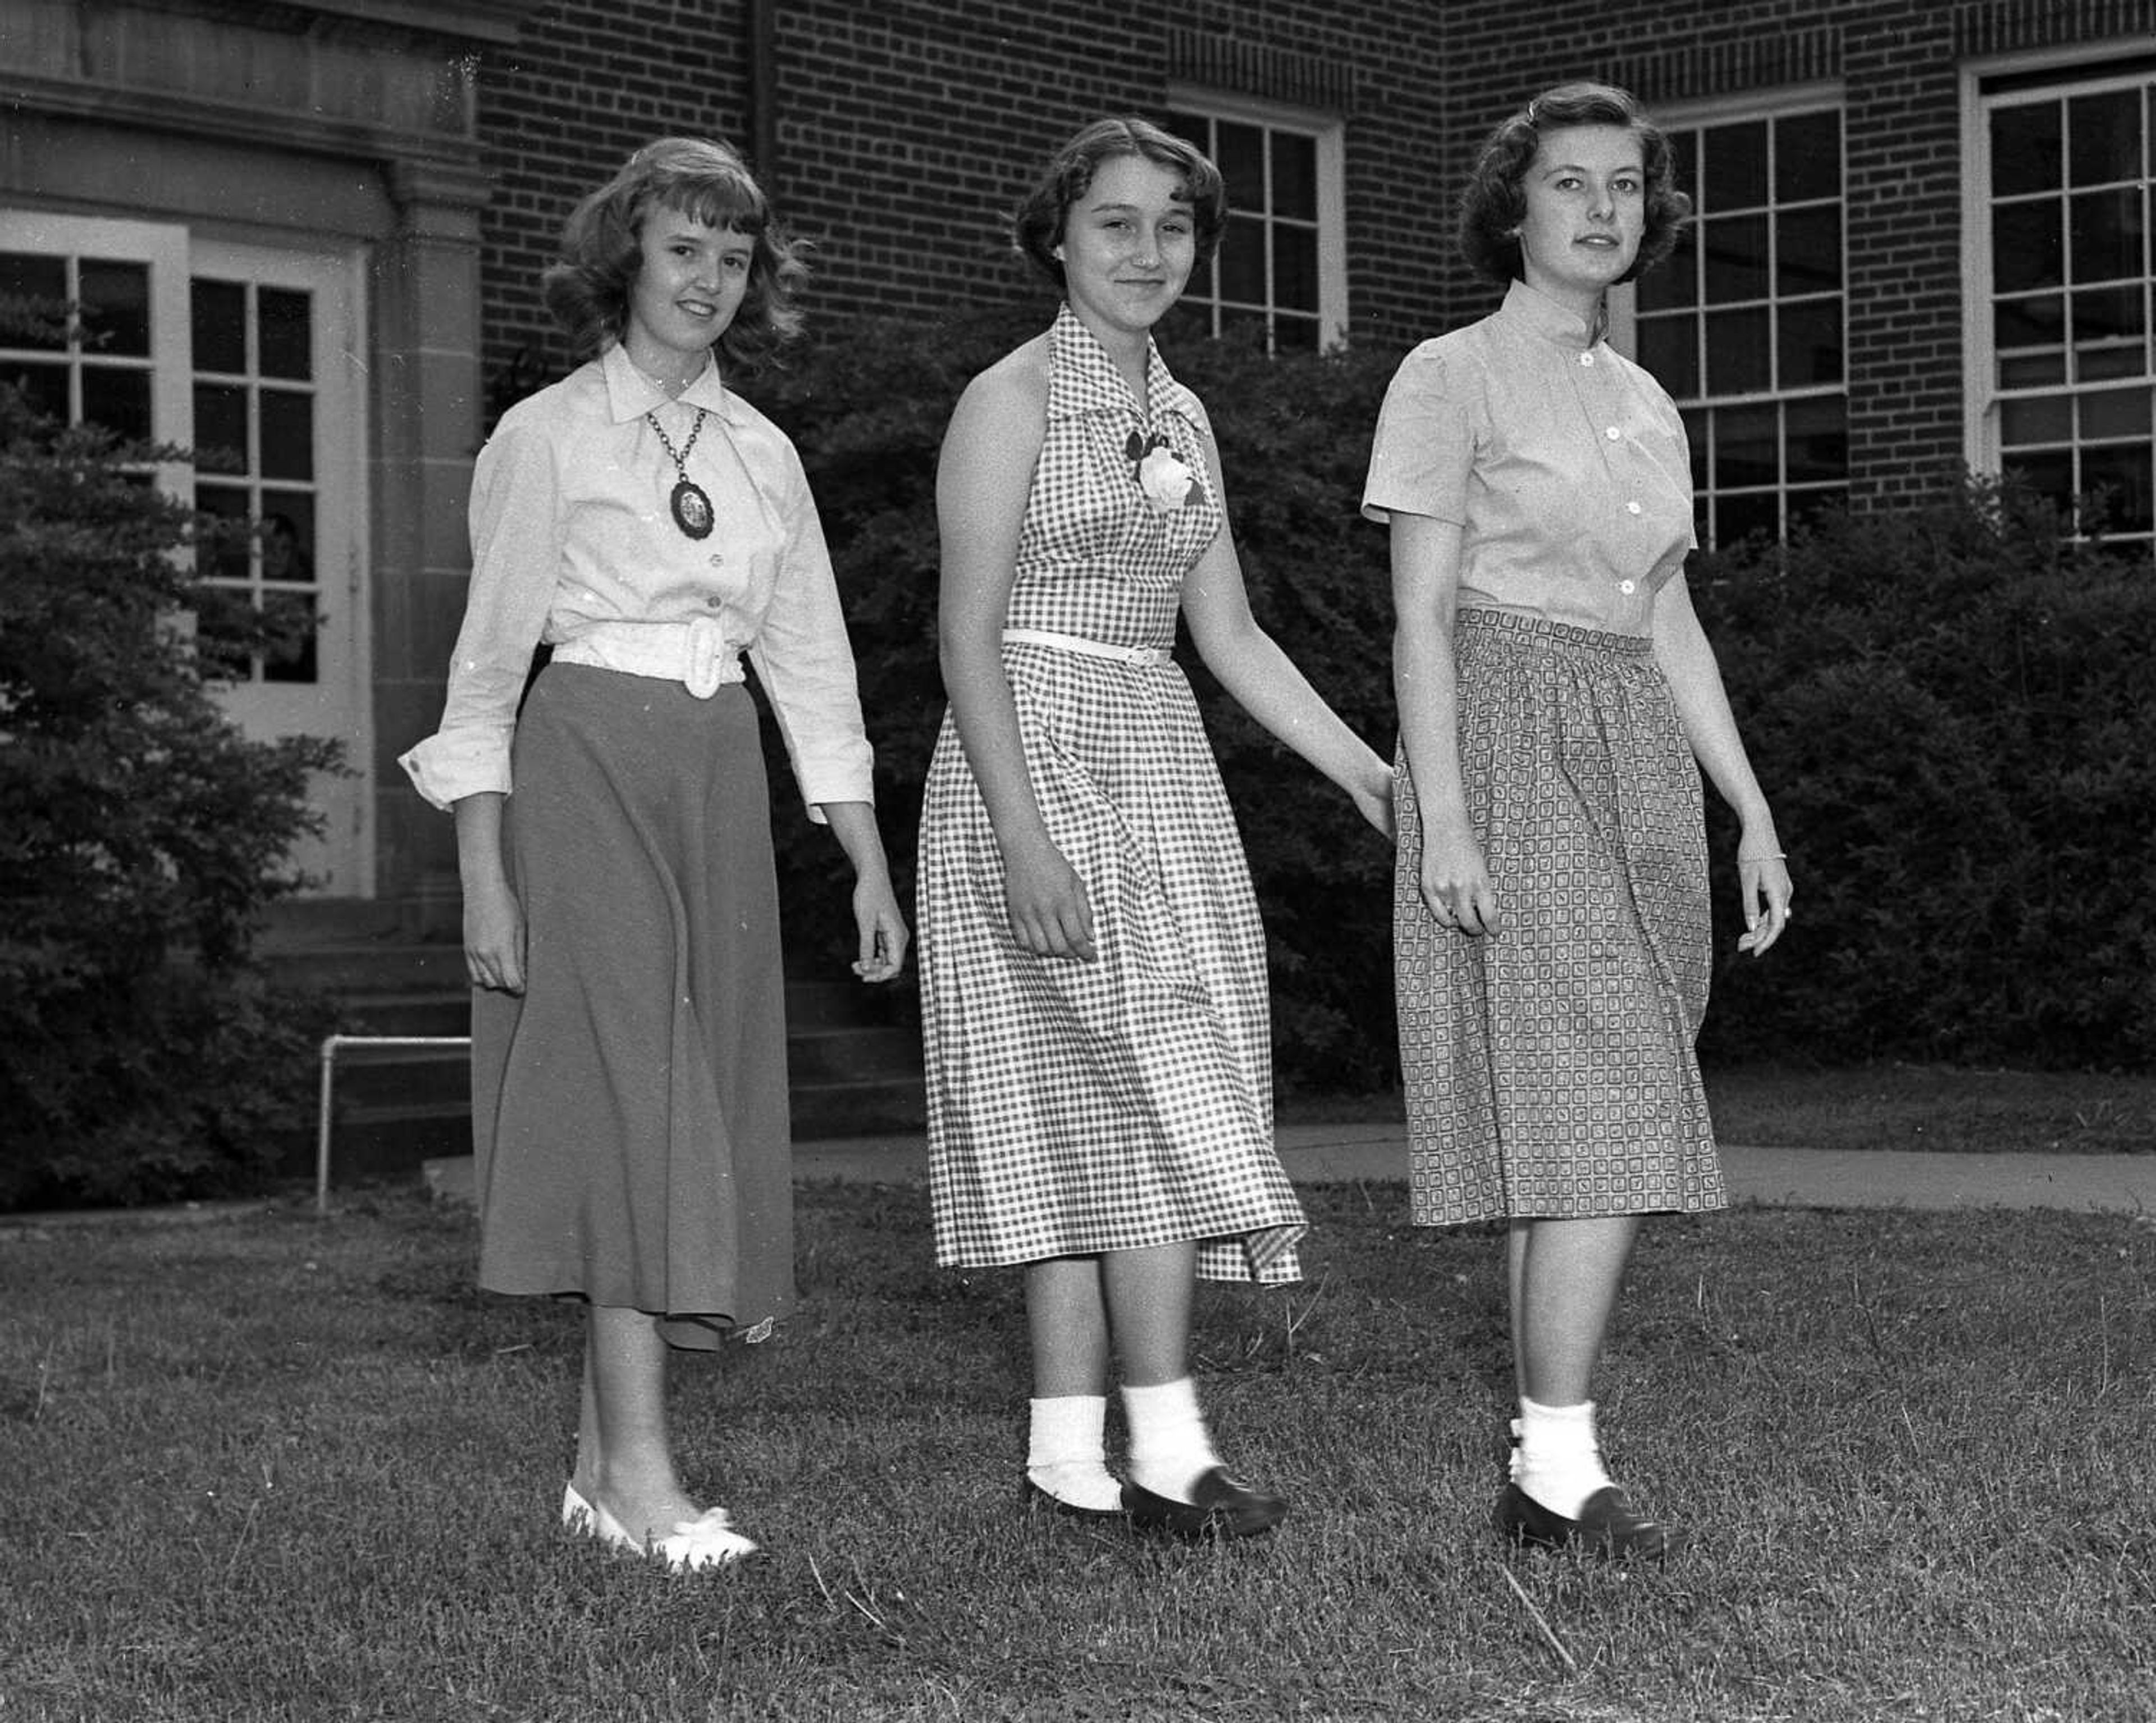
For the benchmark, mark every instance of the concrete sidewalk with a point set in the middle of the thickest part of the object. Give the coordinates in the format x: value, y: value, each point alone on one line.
x: 1789, y: 1178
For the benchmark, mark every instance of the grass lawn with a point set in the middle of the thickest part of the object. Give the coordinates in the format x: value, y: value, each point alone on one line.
x: 276, y: 1468
x: 1888, y: 1106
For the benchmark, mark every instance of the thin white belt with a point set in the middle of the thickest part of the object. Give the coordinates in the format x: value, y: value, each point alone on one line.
x: 693, y: 653
x: 1144, y: 657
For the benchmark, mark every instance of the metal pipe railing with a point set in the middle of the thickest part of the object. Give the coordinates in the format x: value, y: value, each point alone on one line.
x: 331, y: 1046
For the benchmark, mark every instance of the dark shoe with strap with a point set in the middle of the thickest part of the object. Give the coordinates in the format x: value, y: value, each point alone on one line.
x: 1607, y: 1527
x: 1041, y: 1501
x: 1220, y: 1507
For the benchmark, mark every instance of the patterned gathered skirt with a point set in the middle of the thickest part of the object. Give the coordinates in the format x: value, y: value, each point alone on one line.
x: 629, y: 1110
x: 1079, y: 1108
x: 1549, y: 1068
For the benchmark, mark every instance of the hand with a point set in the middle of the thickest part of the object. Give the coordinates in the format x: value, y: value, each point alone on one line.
x: 1763, y: 884
x: 494, y: 936
x: 883, y: 935
x: 1374, y: 802
x: 1456, y: 883
x: 1049, y: 911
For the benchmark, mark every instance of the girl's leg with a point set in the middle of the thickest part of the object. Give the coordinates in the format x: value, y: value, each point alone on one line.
x: 1565, y: 1276
x: 624, y: 1459
x: 1149, y: 1293
x: 1149, y: 1296
x: 1177, y: 1484
x: 1068, y: 1323
x: 1067, y: 1453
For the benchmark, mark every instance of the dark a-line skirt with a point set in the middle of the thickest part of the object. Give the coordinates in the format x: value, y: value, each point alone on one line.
x: 1549, y: 1069
x: 629, y: 1111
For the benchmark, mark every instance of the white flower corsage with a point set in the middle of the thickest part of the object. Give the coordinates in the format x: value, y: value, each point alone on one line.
x: 1161, y: 473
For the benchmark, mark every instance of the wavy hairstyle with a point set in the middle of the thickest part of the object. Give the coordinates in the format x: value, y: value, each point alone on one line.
x: 1494, y: 202
x: 1037, y: 227
x: 588, y: 290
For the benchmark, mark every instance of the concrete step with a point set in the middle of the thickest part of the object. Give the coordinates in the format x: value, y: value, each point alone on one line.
x: 821, y: 1053
x: 434, y: 1012
x: 845, y: 1061
x: 389, y: 1139
x: 853, y: 1055
x: 370, y: 968
x: 391, y: 1142
x: 862, y: 1108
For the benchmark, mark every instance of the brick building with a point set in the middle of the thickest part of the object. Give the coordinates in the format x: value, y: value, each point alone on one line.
x: 312, y: 230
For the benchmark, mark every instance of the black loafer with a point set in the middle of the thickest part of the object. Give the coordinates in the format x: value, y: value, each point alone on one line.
x: 1039, y: 1501
x: 1220, y: 1507
x: 1606, y: 1526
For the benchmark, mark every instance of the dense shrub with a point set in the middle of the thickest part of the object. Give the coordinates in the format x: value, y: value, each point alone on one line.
x: 867, y: 406
x: 1949, y: 707
x: 142, y: 1056
x: 1954, y: 711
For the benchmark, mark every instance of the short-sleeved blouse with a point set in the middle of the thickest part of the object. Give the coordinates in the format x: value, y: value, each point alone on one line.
x: 1564, y: 463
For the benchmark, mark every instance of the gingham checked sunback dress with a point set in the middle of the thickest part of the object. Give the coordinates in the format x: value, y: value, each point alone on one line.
x: 1077, y: 1108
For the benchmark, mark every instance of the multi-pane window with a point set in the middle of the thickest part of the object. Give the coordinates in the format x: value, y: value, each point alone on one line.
x: 1743, y: 325
x: 254, y: 460
x: 1281, y: 270
x: 2068, y: 382
x: 94, y: 366
x: 78, y: 334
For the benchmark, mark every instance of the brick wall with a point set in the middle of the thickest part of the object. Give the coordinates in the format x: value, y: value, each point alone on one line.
x: 904, y: 130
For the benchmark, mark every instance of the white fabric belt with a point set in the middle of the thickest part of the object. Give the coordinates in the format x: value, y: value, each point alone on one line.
x: 693, y: 653
x: 1145, y: 657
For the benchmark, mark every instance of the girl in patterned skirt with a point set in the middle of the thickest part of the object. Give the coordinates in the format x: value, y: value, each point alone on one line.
x: 1555, y: 688
x: 1093, y: 971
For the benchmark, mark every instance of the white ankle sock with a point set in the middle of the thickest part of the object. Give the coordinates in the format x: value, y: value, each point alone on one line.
x: 1169, y: 1448
x: 1557, y: 1461
x: 1067, y: 1451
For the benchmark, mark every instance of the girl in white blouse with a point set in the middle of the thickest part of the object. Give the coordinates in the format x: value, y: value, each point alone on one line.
x: 628, y: 1058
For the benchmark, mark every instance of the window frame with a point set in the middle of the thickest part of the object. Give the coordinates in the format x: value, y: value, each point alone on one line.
x: 1782, y: 102
x: 164, y: 247
x: 338, y: 700
x: 2062, y: 73
x: 1328, y: 133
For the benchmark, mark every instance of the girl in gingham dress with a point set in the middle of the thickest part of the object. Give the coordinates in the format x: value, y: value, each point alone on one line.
x: 1092, y: 965
x: 1551, y: 921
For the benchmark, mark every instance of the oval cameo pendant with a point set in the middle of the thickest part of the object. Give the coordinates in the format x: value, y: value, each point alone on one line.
x: 692, y: 509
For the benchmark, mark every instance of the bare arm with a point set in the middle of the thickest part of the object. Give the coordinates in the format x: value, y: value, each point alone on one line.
x: 983, y: 479
x: 494, y: 920
x: 877, y: 919
x: 1688, y: 663
x: 1455, y: 877
x: 1249, y: 664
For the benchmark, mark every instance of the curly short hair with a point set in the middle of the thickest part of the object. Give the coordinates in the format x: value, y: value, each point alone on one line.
x: 588, y: 290
x: 1494, y: 202
x: 1037, y: 229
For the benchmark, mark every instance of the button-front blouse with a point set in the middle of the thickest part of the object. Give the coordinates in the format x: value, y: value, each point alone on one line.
x: 571, y: 528
x: 1563, y: 463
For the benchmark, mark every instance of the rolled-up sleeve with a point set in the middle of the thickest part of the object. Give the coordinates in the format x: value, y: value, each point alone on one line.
x: 806, y: 664
x: 1424, y: 452
x: 516, y: 555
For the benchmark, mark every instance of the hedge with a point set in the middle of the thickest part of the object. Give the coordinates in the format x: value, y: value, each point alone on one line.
x: 142, y: 1056
x: 1948, y: 704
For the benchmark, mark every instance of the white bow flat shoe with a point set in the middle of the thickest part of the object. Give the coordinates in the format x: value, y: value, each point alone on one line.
x: 708, y: 1541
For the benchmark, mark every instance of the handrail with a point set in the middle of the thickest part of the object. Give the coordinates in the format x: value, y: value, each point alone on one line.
x: 331, y: 1046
